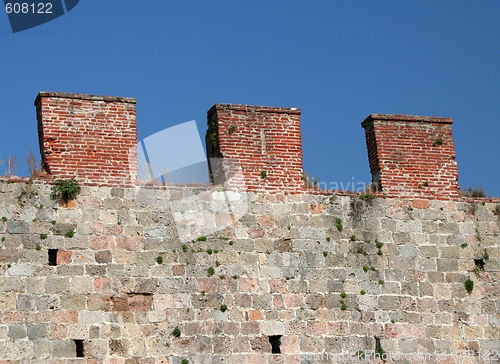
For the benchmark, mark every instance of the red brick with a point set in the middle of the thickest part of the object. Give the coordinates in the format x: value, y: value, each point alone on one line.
x: 90, y: 138
x: 405, y: 158
x: 259, y: 139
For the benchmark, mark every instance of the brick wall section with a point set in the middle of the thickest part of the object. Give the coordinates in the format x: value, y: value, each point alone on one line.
x: 412, y: 156
x: 261, y: 139
x: 90, y: 138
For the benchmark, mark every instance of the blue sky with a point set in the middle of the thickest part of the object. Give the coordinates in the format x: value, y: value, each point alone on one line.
x: 338, y: 61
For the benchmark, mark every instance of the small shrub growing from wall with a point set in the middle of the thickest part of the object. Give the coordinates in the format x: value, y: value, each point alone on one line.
x: 469, y: 285
x: 65, y: 189
x: 176, y: 332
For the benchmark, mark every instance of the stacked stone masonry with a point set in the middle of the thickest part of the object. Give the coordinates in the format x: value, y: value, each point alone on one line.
x: 280, y: 270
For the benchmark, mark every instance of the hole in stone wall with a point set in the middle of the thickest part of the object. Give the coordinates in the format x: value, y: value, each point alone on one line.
x: 79, y: 348
x: 53, y: 256
x: 479, y: 263
x: 275, y: 341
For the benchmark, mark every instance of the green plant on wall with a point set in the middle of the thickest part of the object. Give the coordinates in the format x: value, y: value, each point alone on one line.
x: 343, y: 306
x: 361, y: 250
x: 176, y: 332
x: 469, y: 285
x: 65, y: 189
x: 212, y: 131
x: 367, y: 197
x: 439, y: 141
x: 379, y: 350
x: 210, y: 271
x: 338, y: 223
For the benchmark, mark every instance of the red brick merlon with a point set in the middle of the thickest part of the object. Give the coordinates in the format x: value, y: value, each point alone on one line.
x: 87, y: 137
x: 263, y: 143
x: 412, y: 156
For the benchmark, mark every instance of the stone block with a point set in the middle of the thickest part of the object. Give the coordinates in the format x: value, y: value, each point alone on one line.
x: 9, y: 255
x: 146, y: 286
x: 41, y: 349
x: 47, y: 302
x: 402, y: 262
x: 272, y: 328
x: 20, y: 270
x: 388, y: 302
x: 408, y: 250
x: 139, y: 302
x: 128, y: 243
x: 63, y: 349
x: 18, y: 350
x: 25, y: 302
x: 57, y: 285
x: 260, y: 344
x: 17, y: 331
x: 248, y: 285
x: 447, y: 265
x: 118, y: 347
x: 38, y: 331
x: 17, y: 227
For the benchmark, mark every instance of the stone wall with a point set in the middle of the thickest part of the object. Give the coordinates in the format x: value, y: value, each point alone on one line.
x: 106, y: 279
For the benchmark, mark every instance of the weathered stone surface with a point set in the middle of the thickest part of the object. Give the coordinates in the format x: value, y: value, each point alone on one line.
x: 17, y: 227
x: 17, y: 332
x: 9, y: 255
x: 146, y: 286
x: 280, y: 270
